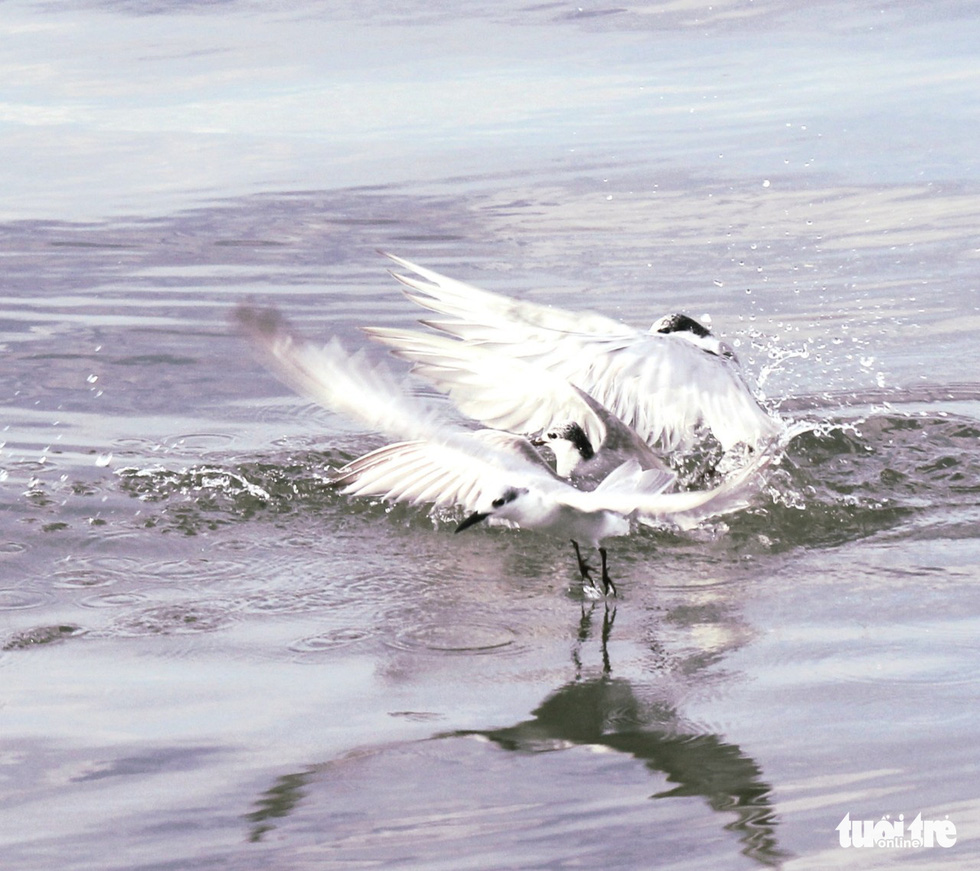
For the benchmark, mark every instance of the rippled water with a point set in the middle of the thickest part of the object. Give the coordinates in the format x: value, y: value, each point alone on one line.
x: 210, y: 659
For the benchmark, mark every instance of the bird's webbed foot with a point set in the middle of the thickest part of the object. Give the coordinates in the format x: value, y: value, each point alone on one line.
x: 586, y: 571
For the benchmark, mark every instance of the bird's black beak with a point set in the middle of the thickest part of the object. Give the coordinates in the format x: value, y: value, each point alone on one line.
x: 472, y: 520
x: 538, y: 442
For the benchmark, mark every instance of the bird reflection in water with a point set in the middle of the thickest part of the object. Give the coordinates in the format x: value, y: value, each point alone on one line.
x: 607, y: 712
x: 585, y: 633
x: 602, y: 711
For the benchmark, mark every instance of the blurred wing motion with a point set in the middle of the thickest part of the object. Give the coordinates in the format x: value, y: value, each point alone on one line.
x: 331, y: 377
x: 442, y: 465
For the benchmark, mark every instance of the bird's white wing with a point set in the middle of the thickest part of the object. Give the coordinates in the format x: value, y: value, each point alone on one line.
x: 667, y: 389
x: 478, y: 313
x: 662, y: 385
x: 630, y: 480
x: 441, y: 465
x: 419, y: 472
x: 466, y: 471
x: 499, y: 391
x: 339, y: 381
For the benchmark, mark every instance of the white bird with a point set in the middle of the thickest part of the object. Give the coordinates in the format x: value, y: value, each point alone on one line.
x: 486, y: 473
x: 668, y: 384
x: 519, y: 396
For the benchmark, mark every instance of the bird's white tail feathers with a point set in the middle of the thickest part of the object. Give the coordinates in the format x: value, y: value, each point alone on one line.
x: 631, y: 479
x: 690, y: 508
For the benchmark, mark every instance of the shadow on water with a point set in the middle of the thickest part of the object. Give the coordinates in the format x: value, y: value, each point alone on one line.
x: 606, y: 713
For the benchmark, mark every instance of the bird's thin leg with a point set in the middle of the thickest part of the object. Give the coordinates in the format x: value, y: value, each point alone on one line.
x: 606, y: 580
x: 583, y: 566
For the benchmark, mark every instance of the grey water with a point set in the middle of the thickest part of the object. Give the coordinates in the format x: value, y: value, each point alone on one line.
x: 212, y: 660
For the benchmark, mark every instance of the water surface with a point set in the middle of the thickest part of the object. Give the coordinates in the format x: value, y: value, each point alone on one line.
x: 212, y: 660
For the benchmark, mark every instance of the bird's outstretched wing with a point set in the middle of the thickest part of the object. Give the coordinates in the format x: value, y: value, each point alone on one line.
x: 422, y: 473
x: 439, y: 465
x: 339, y: 381
x: 661, y: 384
x: 500, y: 391
x: 512, y: 394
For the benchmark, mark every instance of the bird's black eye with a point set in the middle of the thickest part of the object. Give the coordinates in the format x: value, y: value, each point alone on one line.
x: 509, y: 496
x: 552, y: 435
